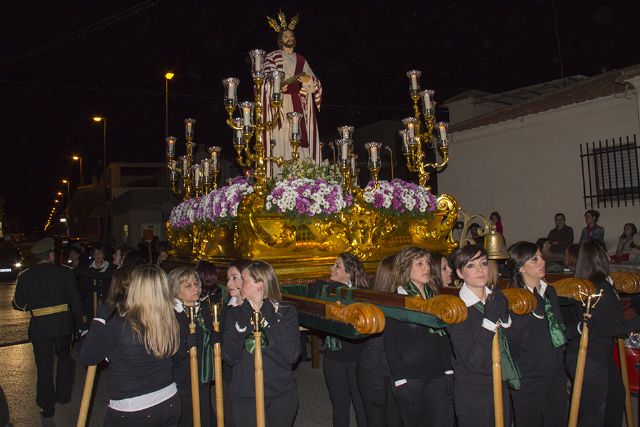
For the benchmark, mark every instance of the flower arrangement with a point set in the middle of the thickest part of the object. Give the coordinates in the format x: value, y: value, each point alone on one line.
x: 304, y: 197
x: 308, y: 168
x: 218, y: 206
x: 398, y: 197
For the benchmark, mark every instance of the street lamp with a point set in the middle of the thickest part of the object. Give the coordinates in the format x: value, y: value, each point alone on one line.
x: 66, y: 181
x: 79, y: 159
x: 98, y: 119
x: 167, y: 77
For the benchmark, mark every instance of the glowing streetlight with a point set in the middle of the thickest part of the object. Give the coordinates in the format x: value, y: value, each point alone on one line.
x: 99, y: 119
x: 79, y: 159
x: 168, y: 76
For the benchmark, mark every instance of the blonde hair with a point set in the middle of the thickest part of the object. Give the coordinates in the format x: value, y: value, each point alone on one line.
x: 179, y: 275
x: 384, y: 275
x: 149, y: 310
x: 261, y: 271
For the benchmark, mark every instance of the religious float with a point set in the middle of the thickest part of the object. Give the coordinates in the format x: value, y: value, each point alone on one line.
x: 299, y: 215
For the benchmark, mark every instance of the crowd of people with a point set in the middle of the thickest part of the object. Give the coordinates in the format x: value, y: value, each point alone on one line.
x: 410, y: 375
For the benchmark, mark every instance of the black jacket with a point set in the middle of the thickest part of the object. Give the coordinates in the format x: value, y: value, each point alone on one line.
x: 282, y: 351
x: 46, y: 285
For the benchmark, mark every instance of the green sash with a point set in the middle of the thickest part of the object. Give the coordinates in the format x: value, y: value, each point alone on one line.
x: 413, y: 291
x: 509, y: 368
x: 206, y: 368
x: 250, y: 340
x: 556, y: 328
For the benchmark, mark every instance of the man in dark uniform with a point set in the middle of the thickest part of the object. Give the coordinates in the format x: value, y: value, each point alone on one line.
x: 49, y: 292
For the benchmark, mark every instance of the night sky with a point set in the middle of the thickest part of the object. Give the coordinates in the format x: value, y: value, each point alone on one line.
x: 62, y: 62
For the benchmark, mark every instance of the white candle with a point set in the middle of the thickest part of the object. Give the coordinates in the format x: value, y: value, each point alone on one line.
x: 345, y: 150
x: 189, y: 126
x: 246, y: 115
x: 443, y: 133
x: 426, y: 99
x: 231, y: 90
x: 277, y: 82
x: 411, y: 129
x: 353, y: 164
x: 205, y: 167
x: 214, y: 159
x: 258, y: 63
x: 374, y: 153
x: 171, y: 146
x: 414, y: 82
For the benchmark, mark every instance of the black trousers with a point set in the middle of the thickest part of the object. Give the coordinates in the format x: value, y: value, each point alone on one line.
x: 229, y: 419
x: 164, y: 414
x: 379, y: 402
x: 602, y: 398
x: 474, y: 404
x: 280, y: 412
x: 44, y: 350
x: 207, y: 416
x: 426, y: 403
x: 342, y: 383
x: 544, y: 406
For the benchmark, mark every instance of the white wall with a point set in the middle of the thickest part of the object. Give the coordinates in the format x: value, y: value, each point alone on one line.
x: 529, y: 168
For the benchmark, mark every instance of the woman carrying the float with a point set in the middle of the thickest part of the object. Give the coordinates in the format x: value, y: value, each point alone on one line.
x: 603, y: 396
x: 185, y: 288
x: 341, y: 355
x: 472, y: 340
x: 280, y: 349
x: 539, y: 344
x: 419, y: 356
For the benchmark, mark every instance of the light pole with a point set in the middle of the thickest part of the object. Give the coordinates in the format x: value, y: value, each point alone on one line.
x: 66, y: 181
x: 104, y: 141
x: 168, y: 76
x: 79, y: 159
x: 61, y: 194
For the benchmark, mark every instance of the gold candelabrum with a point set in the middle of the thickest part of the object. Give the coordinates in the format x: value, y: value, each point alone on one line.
x: 252, y: 126
x: 186, y: 178
x: 413, y: 137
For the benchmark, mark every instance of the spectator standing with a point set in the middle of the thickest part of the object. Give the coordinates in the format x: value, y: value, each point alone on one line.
x: 592, y: 231
x: 625, y: 241
x: 496, y: 220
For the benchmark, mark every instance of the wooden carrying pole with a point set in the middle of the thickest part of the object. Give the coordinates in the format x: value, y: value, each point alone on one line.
x: 217, y: 366
x: 86, y: 396
x: 259, y: 378
x: 625, y: 380
x: 579, y: 379
x: 95, y: 297
x: 498, y: 404
x: 193, y: 364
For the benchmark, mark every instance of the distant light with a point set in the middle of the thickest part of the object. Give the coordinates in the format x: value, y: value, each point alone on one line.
x: 64, y: 181
x: 63, y: 219
x: 59, y: 193
x: 76, y: 157
x: 169, y: 76
x: 17, y: 265
x: 97, y: 119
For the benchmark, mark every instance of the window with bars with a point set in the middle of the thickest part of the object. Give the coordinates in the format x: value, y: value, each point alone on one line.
x: 610, y: 174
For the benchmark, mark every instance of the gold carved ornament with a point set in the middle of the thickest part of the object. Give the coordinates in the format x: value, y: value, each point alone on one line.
x: 448, y: 308
x: 521, y: 301
x: 366, y: 318
x: 571, y: 287
x: 281, y: 24
x: 626, y: 281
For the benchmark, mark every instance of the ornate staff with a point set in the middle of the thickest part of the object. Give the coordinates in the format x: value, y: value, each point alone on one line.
x: 86, y: 396
x: 257, y: 362
x: 521, y: 301
x: 217, y: 366
x: 193, y: 364
x: 589, y: 301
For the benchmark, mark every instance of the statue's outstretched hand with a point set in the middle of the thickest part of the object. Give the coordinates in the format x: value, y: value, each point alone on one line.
x: 304, y: 78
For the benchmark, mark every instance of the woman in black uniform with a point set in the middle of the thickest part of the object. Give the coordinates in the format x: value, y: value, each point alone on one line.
x: 602, y: 400
x: 185, y: 288
x: 472, y: 339
x: 539, y: 345
x: 280, y: 349
x: 419, y: 356
x: 139, y: 345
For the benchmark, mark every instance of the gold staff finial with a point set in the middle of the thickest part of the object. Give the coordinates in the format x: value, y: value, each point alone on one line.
x: 281, y: 24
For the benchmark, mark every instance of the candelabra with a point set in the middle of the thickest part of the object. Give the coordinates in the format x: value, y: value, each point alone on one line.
x: 252, y: 126
x: 186, y: 178
x: 344, y: 162
x: 413, y: 137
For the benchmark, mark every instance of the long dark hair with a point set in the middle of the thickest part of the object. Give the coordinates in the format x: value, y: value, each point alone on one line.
x: 461, y: 256
x: 384, y: 275
x: 403, y: 263
x: 593, y: 261
x: 354, y: 267
x: 634, y: 230
x: 519, y: 254
x: 435, y: 272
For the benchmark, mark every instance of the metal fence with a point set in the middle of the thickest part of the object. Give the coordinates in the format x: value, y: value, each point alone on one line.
x: 610, y: 174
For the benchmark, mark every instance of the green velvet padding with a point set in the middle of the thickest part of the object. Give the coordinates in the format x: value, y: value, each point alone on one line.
x: 329, y: 326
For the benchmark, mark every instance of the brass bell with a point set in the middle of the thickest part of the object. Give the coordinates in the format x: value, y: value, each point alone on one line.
x: 494, y: 244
